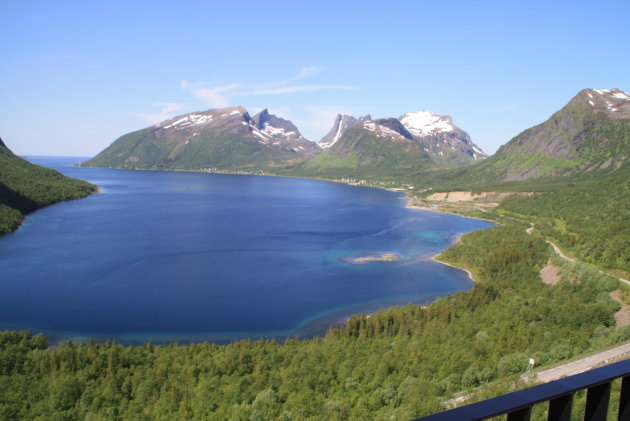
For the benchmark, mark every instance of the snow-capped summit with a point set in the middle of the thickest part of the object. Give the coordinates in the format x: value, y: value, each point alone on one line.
x: 422, y: 123
x: 441, y: 138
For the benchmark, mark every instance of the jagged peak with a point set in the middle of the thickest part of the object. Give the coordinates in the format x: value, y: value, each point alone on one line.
x: 342, y: 123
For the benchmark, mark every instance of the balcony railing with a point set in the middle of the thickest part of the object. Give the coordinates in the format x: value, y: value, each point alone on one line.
x: 559, y: 394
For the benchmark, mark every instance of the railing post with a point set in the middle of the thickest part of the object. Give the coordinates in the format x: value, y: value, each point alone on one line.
x: 523, y: 414
x: 560, y: 408
x: 597, y: 400
x: 624, y: 400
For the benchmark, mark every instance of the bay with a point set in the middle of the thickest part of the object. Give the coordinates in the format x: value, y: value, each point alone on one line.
x: 182, y: 256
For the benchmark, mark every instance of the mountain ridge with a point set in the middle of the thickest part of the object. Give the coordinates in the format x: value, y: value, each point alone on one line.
x: 224, y: 138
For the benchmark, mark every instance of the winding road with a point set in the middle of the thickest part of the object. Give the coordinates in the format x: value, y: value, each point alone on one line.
x: 562, y: 255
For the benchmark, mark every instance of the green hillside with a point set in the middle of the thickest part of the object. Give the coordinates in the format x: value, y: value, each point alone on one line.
x: 25, y: 187
x: 362, y: 154
x: 590, y: 218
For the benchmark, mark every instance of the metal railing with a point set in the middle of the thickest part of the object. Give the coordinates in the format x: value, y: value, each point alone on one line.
x: 559, y: 394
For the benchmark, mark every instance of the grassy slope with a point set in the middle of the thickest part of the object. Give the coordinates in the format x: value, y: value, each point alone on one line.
x: 25, y: 187
x: 359, y: 154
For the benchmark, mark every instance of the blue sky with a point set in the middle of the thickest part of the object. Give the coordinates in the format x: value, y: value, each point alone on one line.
x: 77, y: 75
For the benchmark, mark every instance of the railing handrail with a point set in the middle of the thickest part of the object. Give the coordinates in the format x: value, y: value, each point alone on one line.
x: 544, y: 368
x: 525, y: 398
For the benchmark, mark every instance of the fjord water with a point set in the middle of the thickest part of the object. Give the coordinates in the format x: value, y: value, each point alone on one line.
x: 177, y: 256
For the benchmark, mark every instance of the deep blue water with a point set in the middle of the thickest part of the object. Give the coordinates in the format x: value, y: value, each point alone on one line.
x: 190, y: 256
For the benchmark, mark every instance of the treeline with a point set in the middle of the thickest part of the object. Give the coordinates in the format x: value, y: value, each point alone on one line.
x: 394, y: 364
x: 25, y: 187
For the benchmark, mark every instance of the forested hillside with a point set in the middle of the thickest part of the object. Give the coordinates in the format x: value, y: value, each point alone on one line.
x: 395, y: 363
x: 590, y: 218
x: 25, y: 187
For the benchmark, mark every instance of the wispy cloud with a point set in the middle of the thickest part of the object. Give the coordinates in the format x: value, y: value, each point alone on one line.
x: 304, y: 73
x: 504, y: 108
x: 299, y: 88
x: 225, y: 95
x: 168, y: 110
x: 217, y: 96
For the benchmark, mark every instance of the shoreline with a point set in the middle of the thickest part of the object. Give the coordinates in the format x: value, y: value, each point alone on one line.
x: 470, y: 275
x: 411, y: 206
x: 25, y: 216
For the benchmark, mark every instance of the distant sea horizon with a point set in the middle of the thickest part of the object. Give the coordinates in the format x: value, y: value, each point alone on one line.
x: 190, y: 257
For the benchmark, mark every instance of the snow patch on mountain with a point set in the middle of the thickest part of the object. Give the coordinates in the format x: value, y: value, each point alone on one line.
x: 612, y: 93
x: 621, y: 95
x: 381, y: 131
x: 421, y: 123
x: 188, y: 121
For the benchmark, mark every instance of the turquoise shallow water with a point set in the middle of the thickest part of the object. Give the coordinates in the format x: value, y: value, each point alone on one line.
x: 174, y: 256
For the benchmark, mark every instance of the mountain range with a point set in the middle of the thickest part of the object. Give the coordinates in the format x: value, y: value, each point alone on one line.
x: 590, y: 134
x: 228, y: 139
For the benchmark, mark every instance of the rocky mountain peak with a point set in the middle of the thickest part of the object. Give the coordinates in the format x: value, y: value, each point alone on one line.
x: 274, y: 125
x: 615, y: 103
x: 261, y: 118
x: 342, y: 123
